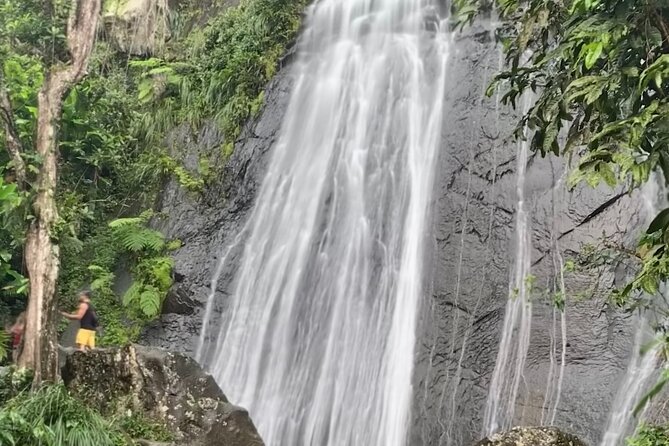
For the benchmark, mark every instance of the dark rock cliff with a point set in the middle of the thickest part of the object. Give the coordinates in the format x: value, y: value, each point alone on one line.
x: 472, y: 256
x: 474, y: 243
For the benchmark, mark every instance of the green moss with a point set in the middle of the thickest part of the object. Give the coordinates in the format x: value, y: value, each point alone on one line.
x: 649, y: 435
x: 138, y: 426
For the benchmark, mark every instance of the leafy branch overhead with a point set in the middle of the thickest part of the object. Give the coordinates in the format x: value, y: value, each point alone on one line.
x: 597, y: 72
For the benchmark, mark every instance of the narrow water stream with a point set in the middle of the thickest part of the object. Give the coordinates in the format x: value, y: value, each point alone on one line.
x: 515, y: 336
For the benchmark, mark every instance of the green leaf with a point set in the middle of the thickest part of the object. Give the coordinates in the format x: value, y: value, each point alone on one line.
x: 652, y: 393
x: 660, y: 222
x: 150, y: 302
x: 594, y: 50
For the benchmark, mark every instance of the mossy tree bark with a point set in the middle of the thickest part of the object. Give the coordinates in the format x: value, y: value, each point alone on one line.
x: 42, y: 255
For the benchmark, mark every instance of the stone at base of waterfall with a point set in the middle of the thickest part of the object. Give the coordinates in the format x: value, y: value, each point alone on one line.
x: 532, y: 436
x: 163, y: 386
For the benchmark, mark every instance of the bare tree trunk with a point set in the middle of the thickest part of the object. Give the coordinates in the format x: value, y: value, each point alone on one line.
x: 42, y: 254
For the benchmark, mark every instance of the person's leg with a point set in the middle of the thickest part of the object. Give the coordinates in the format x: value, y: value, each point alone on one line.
x: 80, y: 341
x: 88, y: 339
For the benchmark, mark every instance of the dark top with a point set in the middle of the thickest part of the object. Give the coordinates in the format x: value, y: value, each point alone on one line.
x: 89, y: 321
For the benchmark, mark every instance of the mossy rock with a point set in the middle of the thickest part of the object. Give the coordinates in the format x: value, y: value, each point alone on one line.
x: 532, y: 436
x: 167, y: 387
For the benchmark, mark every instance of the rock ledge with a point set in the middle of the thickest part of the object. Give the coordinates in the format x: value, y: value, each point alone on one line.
x: 163, y: 386
x: 531, y: 436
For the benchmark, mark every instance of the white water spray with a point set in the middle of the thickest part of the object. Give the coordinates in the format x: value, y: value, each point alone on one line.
x: 555, y: 380
x: 642, y: 365
x: 515, y: 341
x: 317, y: 340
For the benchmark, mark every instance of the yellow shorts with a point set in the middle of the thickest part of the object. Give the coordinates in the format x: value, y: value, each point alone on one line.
x: 86, y: 338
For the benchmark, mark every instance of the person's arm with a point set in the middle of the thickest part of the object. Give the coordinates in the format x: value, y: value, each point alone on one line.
x: 79, y: 314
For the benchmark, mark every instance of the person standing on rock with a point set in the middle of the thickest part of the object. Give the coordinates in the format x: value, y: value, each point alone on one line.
x: 88, y: 322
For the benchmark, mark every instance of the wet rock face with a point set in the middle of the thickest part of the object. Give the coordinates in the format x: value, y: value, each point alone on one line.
x: 164, y: 386
x: 471, y: 259
x: 474, y: 248
x: 532, y: 436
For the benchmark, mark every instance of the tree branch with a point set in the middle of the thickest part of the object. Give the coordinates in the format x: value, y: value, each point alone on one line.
x: 12, y: 140
x: 81, y: 30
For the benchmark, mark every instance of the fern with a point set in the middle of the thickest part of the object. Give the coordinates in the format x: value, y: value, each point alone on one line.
x: 51, y: 417
x: 4, y: 340
x: 121, y: 222
x: 152, y: 271
x: 103, y: 279
x: 135, y: 238
x: 133, y: 294
x: 150, y: 301
x: 158, y: 271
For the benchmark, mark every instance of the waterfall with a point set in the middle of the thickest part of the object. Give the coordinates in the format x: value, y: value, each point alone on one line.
x: 635, y: 383
x: 642, y: 365
x: 515, y: 337
x: 555, y: 378
x: 317, y: 338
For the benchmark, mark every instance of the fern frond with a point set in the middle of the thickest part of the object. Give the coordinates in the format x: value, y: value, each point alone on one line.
x: 153, y: 240
x: 150, y: 301
x: 133, y: 294
x: 119, y: 222
x: 161, y: 270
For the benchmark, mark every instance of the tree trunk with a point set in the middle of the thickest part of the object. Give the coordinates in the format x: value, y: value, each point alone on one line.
x: 42, y: 254
x: 40, y: 348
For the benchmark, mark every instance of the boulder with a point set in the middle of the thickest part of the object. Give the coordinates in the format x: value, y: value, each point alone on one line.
x: 163, y: 386
x: 531, y: 436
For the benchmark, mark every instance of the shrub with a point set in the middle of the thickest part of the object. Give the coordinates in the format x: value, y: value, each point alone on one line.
x: 51, y: 417
x: 648, y: 435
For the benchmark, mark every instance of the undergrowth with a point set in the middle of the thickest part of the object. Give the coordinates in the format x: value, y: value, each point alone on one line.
x: 51, y: 417
x: 228, y: 67
x: 648, y: 435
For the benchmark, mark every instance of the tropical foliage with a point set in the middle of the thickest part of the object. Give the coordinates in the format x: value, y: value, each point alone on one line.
x: 230, y: 63
x: 112, y: 138
x: 51, y: 417
x: 650, y: 436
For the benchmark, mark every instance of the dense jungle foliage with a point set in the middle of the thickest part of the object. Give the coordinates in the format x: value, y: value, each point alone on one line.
x: 210, y: 65
x: 112, y: 138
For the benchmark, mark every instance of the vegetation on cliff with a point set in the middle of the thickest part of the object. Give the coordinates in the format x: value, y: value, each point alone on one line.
x: 70, y: 182
x: 111, y: 137
x: 650, y: 436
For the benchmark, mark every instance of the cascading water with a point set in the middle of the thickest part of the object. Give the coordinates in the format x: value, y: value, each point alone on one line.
x: 317, y: 340
x: 642, y: 365
x: 635, y: 383
x: 510, y: 364
x: 555, y: 377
